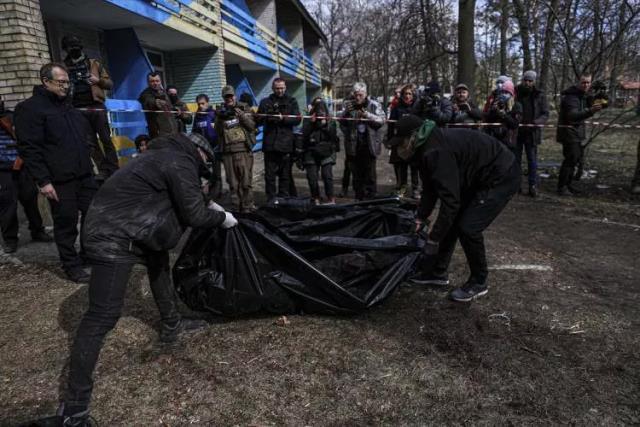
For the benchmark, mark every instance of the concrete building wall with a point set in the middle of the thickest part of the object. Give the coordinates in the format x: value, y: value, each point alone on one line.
x: 290, y: 22
x: 23, y: 49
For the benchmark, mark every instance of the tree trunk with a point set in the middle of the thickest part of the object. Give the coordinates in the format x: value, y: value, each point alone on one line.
x: 523, y: 22
x: 466, y: 43
x: 429, y: 44
x: 636, y: 178
x: 504, y: 26
x: 543, y: 79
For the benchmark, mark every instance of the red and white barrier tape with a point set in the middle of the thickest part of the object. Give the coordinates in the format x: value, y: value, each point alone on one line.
x: 362, y: 119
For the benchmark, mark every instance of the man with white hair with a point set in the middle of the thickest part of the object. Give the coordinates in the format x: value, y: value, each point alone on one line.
x: 362, y: 130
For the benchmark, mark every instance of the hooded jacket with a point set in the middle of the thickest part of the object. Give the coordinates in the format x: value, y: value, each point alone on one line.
x: 574, y: 110
x: 148, y: 203
x: 53, y: 138
x: 454, y: 165
x: 278, y: 134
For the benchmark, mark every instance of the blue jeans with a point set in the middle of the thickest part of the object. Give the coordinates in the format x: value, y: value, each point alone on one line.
x: 531, y: 149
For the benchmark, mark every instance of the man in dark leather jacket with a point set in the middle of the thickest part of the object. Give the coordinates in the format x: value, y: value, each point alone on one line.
x: 278, y: 138
x: 575, y: 108
x: 136, y: 217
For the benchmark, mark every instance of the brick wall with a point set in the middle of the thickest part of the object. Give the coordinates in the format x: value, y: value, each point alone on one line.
x: 265, y: 13
x: 197, y: 71
x: 23, y: 49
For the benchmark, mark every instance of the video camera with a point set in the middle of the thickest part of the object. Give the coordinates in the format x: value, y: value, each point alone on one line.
x: 428, y: 98
x: 599, y: 89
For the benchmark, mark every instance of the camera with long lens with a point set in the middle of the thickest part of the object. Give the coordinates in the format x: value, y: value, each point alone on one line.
x: 226, y: 113
x: 599, y: 89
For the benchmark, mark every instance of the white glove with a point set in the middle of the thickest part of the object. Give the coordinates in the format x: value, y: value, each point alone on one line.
x: 229, y: 221
x: 215, y: 207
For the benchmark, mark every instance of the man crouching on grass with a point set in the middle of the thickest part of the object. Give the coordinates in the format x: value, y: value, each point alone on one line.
x: 474, y: 176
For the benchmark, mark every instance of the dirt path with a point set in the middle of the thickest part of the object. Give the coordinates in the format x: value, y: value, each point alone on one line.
x: 555, y: 344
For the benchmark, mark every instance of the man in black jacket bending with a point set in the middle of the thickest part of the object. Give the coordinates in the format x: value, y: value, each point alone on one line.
x: 278, y: 138
x: 474, y: 176
x: 136, y: 217
x: 54, y: 142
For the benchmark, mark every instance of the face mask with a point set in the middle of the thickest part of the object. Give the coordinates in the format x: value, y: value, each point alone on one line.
x: 75, y: 53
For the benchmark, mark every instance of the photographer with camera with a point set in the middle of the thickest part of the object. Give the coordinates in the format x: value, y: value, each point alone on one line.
x: 236, y: 130
x: 155, y: 99
x: 502, y: 107
x: 363, y: 139
x: 89, y: 80
x: 185, y: 117
x: 321, y: 144
x: 535, y: 111
x: 464, y: 110
x: 403, y: 107
x: 431, y: 105
x: 575, y: 107
x: 278, y: 138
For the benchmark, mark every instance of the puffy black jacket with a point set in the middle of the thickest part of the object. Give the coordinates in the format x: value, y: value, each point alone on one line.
x: 53, y: 138
x: 278, y: 134
x: 147, y: 204
x: 540, y: 109
x: 440, y: 112
x: 574, y: 110
x: 455, y: 164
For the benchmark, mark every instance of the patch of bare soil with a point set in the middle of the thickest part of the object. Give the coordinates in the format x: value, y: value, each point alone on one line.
x: 543, y: 347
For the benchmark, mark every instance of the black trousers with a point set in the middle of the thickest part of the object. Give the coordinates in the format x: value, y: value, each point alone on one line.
x: 348, y: 172
x: 106, y: 299
x: 73, y: 197
x: 572, y: 152
x: 477, y: 212
x: 277, y: 167
x: 216, y: 178
x: 364, y: 174
x: 17, y: 186
x: 326, y: 171
x: 401, y: 169
x: 105, y: 157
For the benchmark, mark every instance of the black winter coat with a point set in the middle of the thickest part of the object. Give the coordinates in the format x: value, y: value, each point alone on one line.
x: 278, y: 134
x: 147, y: 204
x: 508, y: 132
x: 454, y: 165
x: 53, y: 138
x: 440, y: 113
x: 574, y: 110
x: 540, y: 112
x: 397, y: 113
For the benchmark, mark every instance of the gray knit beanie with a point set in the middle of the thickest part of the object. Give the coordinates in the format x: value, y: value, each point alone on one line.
x: 529, y: 75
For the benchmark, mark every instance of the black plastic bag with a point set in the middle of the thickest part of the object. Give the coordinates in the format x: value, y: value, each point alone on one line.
x: 293, y: 257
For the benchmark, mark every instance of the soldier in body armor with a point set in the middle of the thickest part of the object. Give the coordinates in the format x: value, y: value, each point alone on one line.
x: 90, y: 80
x: 236, y: 131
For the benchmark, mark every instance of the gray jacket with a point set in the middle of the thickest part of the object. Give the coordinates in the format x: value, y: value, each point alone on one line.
x: 374, y: 117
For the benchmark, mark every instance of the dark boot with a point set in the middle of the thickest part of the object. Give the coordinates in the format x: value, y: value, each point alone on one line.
x: 170, y: 334
x: 533, y: 191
